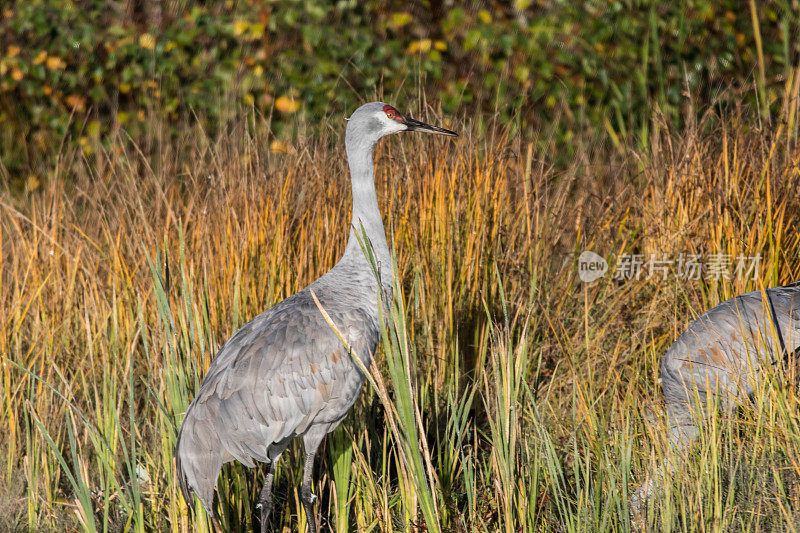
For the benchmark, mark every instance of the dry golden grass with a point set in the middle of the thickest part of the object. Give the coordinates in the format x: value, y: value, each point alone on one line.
x: 124, y: 273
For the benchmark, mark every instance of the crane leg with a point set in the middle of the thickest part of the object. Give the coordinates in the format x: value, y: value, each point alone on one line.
x: 265, y: 499
x: 684, y: 399
x: 311, y: 441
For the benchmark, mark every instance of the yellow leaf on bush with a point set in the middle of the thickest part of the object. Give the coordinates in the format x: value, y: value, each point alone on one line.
x: 39, y: 59
x: 239, y: 27
x: 122, y: 117
x: 440, y: 45
x: 16, y: 74
x: 13, y: 50
x: 400, y: 19
x: 256, y: 31
x: 55, y: 63
x: 286, y: 104
x: 147, y: 41
x: 484, y: 16
x: 124, y: 88
x: 249, y: 99
x: 423, y: 45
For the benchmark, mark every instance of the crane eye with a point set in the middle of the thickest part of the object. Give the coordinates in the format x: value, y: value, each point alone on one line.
x: 392, y: 114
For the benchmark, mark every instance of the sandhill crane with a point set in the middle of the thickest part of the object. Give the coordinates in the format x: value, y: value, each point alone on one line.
x: 720, y: 359
x: 285, y: 374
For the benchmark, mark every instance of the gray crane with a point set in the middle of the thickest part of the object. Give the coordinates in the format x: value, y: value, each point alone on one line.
x: 285, y: 374
x: 721, y: 359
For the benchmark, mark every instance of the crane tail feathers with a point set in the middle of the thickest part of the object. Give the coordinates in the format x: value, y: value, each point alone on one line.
x: 198, y: 460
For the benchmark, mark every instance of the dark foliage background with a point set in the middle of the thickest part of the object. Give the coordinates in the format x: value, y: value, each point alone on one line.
x: 76, y: 70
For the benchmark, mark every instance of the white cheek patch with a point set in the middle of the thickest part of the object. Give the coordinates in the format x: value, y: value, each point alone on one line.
x: 396, y: 126
x: 389, y: 125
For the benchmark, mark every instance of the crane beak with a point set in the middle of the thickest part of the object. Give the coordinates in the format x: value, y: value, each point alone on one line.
x: 416, y: 125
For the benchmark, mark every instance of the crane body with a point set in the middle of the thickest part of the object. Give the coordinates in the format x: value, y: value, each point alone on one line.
x: 720, y: 360
x: 285, y: 374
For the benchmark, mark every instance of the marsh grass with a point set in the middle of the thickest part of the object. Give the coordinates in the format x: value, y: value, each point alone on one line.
x: 508, y: 396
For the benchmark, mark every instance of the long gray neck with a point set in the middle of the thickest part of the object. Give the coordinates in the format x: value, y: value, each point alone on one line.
x: 366, y: 213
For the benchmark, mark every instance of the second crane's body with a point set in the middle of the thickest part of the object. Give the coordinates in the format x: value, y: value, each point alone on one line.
x: 722, y: 358
x: 285, y: 374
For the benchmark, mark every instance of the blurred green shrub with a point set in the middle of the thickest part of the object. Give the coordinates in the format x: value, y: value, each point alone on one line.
x: 81, y: 68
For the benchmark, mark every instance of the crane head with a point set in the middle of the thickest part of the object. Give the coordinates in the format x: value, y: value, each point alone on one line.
x: 376, y: 119
x: 414, y: 125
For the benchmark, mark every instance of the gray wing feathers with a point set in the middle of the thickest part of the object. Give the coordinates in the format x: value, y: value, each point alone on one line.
x: 279, y: 374
x: 725, y: 347
x: 783, y: 307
